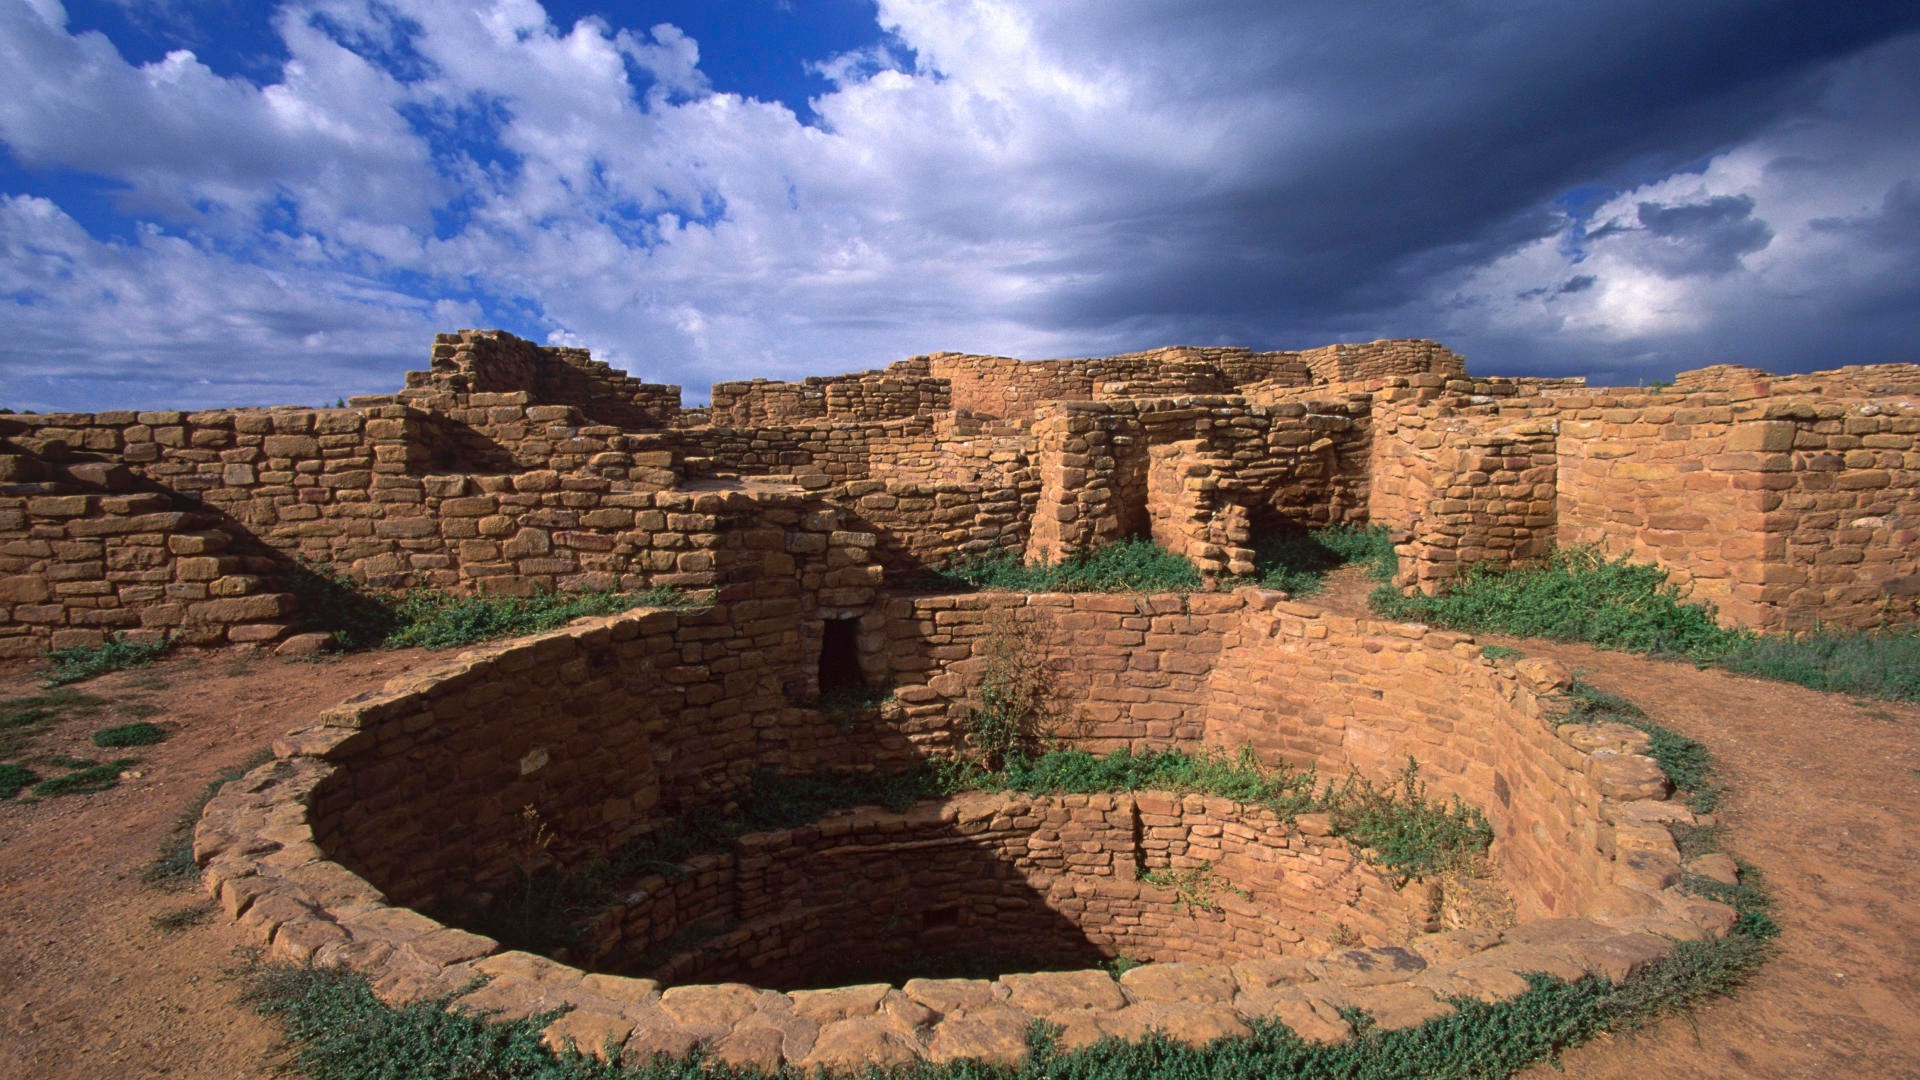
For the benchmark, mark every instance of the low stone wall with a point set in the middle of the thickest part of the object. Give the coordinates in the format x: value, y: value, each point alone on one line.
x: 606, y: 725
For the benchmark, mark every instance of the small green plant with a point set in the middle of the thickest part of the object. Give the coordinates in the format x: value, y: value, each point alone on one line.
x: 1133, y: 565
x: 86, y: 779
x: 14, y: 779
x: 1298, y: 562
x: 79, y: 662
x: 1404, y: 830
x: 1195, y: 888
x: 1121, y: 964
x: 1500, y: 652
x: 140, y: 733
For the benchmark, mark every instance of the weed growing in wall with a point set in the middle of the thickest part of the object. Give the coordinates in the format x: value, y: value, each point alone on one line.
x: 1400, y: 829
x: 1013, y: 711
x: 1196, y: 888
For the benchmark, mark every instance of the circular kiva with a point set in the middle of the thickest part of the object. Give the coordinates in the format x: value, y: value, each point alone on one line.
x: 462, y: 782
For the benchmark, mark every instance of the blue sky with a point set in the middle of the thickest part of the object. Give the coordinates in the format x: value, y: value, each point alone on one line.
x: 213, y: 202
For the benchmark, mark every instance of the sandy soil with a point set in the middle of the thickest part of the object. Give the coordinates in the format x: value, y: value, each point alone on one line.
x: 1825, y: 801
x: 89, y: 986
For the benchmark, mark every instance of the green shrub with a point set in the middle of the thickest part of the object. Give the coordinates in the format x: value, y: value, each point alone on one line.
x: 136, y: 734
x: 1298, y: 562
x: 86, y: 778
x: 1400, y: 829
x: 1133, y: 565
x: 80, y: 662
x: 1576, y: 595
x: 1885, y: 664
x: 1579, y: 595
x: 14, y: 779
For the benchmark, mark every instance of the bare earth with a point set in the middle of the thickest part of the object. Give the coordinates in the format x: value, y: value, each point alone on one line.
x: 1825, y: 801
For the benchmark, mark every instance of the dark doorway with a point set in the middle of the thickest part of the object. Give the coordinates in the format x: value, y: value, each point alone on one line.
x: 840, y: 656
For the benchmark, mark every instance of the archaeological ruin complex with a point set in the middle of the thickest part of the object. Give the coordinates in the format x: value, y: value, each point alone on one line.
x: 806, y: 515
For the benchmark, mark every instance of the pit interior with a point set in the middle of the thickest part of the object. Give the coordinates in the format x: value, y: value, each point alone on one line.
x: 553, y: 755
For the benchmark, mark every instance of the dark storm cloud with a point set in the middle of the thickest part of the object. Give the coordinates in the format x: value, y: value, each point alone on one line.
x: 1437, y: 133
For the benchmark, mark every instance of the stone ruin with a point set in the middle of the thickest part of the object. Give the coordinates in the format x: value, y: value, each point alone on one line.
x: 806, y: 513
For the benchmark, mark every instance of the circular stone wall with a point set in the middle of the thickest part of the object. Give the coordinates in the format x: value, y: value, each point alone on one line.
x: 452, y: 781
x: 992, y: 883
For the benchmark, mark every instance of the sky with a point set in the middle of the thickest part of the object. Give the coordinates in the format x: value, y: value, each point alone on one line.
x: 223, y: 202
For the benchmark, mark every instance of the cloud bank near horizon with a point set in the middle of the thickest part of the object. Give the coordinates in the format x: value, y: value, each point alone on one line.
x: 1619, y: 190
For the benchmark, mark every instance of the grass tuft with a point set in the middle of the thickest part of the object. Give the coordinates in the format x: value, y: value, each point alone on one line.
x: 15, y: 778
x: 140, y: 733
x: 1298, y: 562
x: 361, y: 618
x: 86, y: 779
x: 1884, y: 664
x: 80, y: 662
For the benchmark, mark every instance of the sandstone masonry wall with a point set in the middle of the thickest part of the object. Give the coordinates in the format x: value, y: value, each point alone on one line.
x: 489, y: 361
x: 270, y: 845
x: 1049, y: 880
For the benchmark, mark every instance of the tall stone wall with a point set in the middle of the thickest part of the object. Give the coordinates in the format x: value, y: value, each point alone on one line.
x: 1784, y: 514
x: 197, y: 525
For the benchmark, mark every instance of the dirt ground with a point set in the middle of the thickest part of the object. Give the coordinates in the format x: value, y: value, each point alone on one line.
x: 1825, y: 800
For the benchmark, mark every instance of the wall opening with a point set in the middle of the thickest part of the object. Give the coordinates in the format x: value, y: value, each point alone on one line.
x: 840, y: 656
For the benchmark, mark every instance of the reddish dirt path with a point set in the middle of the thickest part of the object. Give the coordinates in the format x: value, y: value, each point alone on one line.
x: 89, y: 987
x: 1825, y: 800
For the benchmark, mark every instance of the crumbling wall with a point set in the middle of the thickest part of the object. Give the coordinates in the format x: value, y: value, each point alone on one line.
x: 495, y: 362
x: 901, y: 391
